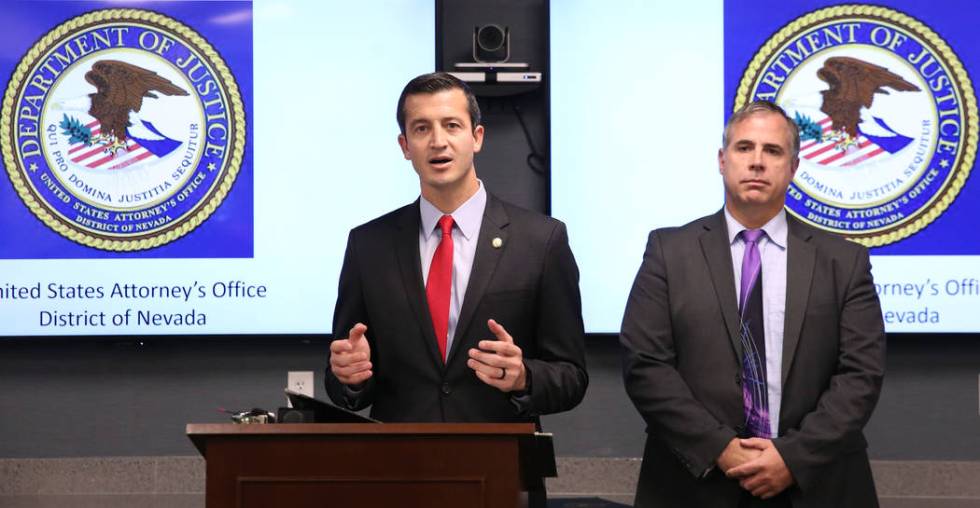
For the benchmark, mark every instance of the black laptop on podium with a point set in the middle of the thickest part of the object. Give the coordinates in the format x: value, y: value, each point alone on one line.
x: 305, y: 407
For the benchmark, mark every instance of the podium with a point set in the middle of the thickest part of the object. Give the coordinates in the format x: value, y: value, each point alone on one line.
x: 427, y: 465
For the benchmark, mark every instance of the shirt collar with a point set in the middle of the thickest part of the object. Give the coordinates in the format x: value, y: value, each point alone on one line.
x: 776, y: 229
x: 468, y: 217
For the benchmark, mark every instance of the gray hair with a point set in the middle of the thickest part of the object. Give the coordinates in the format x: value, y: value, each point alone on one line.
x: 758, y: 107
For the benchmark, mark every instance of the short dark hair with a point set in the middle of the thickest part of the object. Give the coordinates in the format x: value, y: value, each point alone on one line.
x: 437, y: 82
x: 756, y: 107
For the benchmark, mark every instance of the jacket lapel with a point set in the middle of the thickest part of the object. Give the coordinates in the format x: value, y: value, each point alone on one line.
x: 410, y: 266
x: 800, y: 257
x: 718, y: 255
x: 495, y: 220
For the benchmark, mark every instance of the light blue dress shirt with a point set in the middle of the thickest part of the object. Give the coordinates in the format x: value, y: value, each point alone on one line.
x: 466, y: 233
x: 772, y: 249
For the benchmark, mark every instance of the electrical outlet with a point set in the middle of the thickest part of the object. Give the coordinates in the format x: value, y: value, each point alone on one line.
x: 300, y: 381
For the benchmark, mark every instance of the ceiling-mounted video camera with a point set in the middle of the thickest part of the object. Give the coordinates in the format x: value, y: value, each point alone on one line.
x: 491, y: 43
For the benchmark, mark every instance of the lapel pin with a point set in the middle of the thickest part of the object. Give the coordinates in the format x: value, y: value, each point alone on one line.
x: 497, y: 243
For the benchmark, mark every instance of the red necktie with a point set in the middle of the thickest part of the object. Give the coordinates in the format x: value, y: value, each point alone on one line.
x: 438, y: 286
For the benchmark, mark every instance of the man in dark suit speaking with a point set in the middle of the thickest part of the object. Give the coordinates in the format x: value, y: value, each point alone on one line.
x: 458, y: 307
x: 754, y: 344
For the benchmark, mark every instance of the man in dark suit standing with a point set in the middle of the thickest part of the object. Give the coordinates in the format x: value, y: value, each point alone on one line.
x: 458, y: 307
x: 754, y: 344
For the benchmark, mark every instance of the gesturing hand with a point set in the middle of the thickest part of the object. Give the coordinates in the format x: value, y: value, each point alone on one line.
x: 350, y: 358
x: 499, y: 363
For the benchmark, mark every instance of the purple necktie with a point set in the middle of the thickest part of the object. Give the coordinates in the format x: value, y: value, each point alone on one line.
x: 755, y: 393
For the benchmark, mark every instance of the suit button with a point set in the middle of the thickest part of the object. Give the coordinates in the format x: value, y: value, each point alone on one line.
x: 738, y: 380
x: 446, y: 390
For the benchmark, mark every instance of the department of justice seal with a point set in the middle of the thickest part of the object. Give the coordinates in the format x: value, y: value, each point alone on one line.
x: 122, y: 129
x: 887, y: 118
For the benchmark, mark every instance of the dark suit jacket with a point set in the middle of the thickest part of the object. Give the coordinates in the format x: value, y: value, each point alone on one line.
x: 683, y: 358
x: 529, y: 285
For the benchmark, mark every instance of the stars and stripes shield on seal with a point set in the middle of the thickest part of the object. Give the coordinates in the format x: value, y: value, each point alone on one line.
x: 95, y: 156
x: 830, y: 152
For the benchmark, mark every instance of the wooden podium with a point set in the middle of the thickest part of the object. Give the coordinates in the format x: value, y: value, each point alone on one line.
x: 366, y: 464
